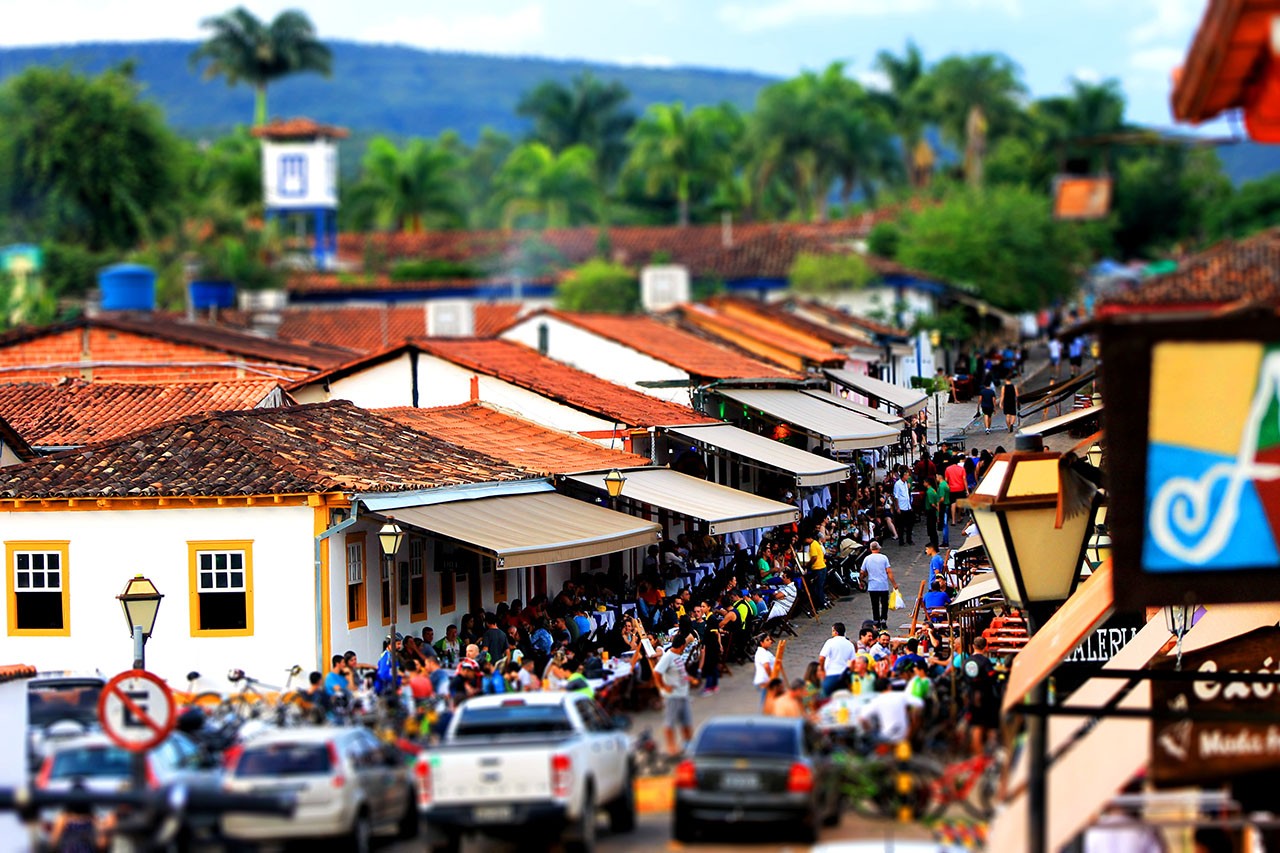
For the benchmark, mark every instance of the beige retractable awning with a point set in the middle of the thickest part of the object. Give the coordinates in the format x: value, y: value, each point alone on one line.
x: 980, y: 587
x: 809, y: 469
x: 887, y: 418
x: 1061, y: 424
x: 838, y: 426
x: 722, y: 508
x: 971, y: 542
x: 530, y: 529
x: 907, y: 400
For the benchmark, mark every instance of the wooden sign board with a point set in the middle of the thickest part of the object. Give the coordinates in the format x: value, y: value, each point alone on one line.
x: 1188, y: 753
x: 1193, y: 459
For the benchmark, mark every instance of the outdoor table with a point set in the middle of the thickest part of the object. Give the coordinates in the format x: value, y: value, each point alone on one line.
x: 627, y: 607
x: 604, y: 619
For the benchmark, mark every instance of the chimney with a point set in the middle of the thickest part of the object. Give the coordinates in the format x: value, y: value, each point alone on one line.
x: 726, y: 230
x: 475, y: 388
x: 544, y: 338
x: 265, y: 309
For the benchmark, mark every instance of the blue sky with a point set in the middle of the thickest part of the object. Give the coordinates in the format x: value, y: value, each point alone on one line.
x: 1137, y: 41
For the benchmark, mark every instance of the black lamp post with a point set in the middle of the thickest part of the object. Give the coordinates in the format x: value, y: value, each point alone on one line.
x: 613, y: 483
x: 390, y: 537
x: 140, y: 602
x: 1037, y: 559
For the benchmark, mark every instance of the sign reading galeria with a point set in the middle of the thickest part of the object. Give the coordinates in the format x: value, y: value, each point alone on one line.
x: 1186, y: 752
x: 1193, y: 459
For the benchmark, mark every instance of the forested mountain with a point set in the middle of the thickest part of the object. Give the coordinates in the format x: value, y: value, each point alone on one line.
x: 399, y: 91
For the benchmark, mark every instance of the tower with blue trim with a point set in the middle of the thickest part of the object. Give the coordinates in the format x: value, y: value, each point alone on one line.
x: 300, y: 178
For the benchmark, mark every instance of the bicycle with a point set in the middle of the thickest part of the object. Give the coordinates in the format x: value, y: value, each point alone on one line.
x: 249, y: 702
x: 885, y: 781
x: 956, y: 783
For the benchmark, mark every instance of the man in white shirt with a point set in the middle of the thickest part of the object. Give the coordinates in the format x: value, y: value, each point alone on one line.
x: 672, y: 680
x: 834, y: 659
x: 783, y: 599
x: 1055, y: 355
x: 764, y: 661
x: 877, y: 578
x: 889, y: 714
x: 906, y: 516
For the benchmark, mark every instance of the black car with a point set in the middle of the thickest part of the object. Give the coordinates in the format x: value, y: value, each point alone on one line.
x: 756, y: 770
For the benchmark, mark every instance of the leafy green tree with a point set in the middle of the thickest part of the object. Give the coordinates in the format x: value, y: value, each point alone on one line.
x: 230, y: 167
x: 599, y: 286
x: 243, y: 47
x: 408, y: 188
x: 974, y: 99
x: 1163, y: 196
x: 587, y: 112
x: 679, y: 148
x: 1254, y: 205
x: 1002, y: 240
x: 1074, y: 127
x: 813, y: 273
x: 905, y: 103
x: 538, y: 188
x: 84, y: 160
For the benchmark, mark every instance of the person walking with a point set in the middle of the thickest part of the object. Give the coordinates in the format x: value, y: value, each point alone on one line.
x: 877, y: 579
x: 902, y: 502
x: 672, y: 680
x: 931, y: 501
x: 834, y: 659
x: 988, y: 404
x: 1009, y: 404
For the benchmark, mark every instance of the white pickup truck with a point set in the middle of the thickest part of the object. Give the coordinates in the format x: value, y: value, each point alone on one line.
x: 527, y: 766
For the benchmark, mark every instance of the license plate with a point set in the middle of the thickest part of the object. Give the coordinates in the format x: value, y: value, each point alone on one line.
x: 740, y: 782
x: 491, y: 814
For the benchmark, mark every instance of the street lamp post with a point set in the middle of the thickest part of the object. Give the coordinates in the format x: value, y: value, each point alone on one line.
x: 613, y: 483
x: 390, y: 537
x: 140, y: 602
x: 1036, y: 549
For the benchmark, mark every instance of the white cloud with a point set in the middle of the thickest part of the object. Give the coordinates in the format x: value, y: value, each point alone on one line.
x: 1158, y: 59
x: 1170, y: 20
x: 1086, y: 74
x: 749, y: 16
x: 647, y: 61
x: 876, y: 81
x: 463, y: 30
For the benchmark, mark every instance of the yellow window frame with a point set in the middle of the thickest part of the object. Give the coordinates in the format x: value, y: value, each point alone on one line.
x: 58, y: 546
x: 194, y: 548
x: 362, y: 599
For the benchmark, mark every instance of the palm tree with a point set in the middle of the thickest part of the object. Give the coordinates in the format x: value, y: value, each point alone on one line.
x: 588, y: 112
x: 539, y: 187
x: 974, y: 98
x: 904, y: 102
x: 672, y: 147
x: 408, y: 189
x: 242, y: 47
x: 1074, y: 125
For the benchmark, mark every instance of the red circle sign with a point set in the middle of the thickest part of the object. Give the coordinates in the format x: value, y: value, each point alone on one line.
x: 137, y: 710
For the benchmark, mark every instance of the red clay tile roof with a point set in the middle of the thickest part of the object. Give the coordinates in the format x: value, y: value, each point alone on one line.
x: 1245, y: 270
x: 74, y: 413
x: 298, y: 128
x: 370, y: 328
x: 482, y: 427
x: 13, y: 672
x: 751, y: 250
x: 747, y: 327
x: 332, y: 283
x: 319, y: 448
x: 679, y: 348
x: 524, y: 367
x: 219, y: 338
x: 492, y: 317
x: 780, y: 314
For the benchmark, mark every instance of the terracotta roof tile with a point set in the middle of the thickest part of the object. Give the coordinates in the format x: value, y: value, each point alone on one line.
x: 324, y: 447
x: 522, y: 366
x: 14, y: 672
x: 484, y: 428
x: 74, y: 413
x: 838, y: 317
x: 1230, y: 271
x: 214, y: 337
x: 758, y: 335
x: 682, y: 349
x: 298, y: 128
x: 778, y: 313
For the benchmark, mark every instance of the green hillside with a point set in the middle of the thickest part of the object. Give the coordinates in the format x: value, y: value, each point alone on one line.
x: 400, y: 91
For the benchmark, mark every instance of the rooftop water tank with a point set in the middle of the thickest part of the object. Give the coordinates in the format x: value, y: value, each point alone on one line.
x: 127, y: 287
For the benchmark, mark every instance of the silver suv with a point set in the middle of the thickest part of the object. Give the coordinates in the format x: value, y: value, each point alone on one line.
x: 349, y: 785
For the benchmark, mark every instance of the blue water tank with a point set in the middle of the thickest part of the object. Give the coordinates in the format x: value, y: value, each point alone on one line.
x: 127, y: 287
x: 212, y: 294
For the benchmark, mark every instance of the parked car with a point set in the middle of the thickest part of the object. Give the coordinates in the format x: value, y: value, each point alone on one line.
x: 349, y: 786
x: 59, y: 706
x: 98, y: 764
x: 756, y: 770
x: 527, y: 766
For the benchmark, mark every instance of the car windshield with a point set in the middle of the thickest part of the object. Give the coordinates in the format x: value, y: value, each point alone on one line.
x: 285, y: 759
x: 58, y: 700
x: 90, y: 762
x: 747, y: 740
x: 513, y: 720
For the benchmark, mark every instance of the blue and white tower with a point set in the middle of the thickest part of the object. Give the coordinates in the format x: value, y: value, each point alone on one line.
x: 300, y: 177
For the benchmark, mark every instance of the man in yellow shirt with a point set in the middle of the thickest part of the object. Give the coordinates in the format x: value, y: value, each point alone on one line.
x: 817, y: 569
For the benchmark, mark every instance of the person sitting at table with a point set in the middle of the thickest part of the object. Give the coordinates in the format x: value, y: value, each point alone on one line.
x: 557, y: 672
x: 764, y: 562
x: 861, y: 679
x: 526, y: 678
x: 784, y: 598
x: 647, y: 597
x: 936, y: 597
x: 584, y: 622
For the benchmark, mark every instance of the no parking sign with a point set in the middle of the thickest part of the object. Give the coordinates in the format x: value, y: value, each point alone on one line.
x: 137, y: 710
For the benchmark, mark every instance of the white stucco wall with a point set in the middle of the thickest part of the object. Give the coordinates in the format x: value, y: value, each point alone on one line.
x: 107, y: 547
x: 601, y: 356
x: 878, y: 302
x: 13, y: 759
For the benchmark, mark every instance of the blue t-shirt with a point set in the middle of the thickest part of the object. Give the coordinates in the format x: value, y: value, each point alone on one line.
x: 585, y: 625
x: 936, y: 598
x: 336, y: 685
x: 936, y: 567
